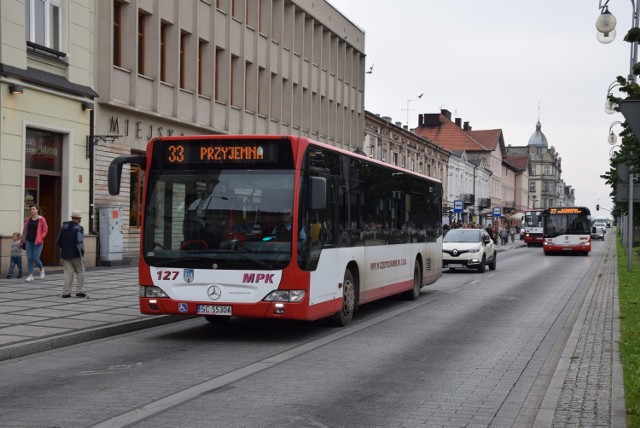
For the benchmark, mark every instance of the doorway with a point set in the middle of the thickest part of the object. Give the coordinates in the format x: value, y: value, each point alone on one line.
x: 50, y: 203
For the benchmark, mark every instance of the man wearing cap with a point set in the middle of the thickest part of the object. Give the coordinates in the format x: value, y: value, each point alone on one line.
x: 71, y: 243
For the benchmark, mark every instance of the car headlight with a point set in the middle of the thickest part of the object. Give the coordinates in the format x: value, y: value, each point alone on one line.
x: 474, y: 250
x: 151, y: 291
x: 285, y: 296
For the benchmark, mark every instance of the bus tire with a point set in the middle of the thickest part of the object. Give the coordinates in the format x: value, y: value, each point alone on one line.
x: 217, y: 319
x: 483, y: 263
x: 345, y: 315
x: 414, y: 293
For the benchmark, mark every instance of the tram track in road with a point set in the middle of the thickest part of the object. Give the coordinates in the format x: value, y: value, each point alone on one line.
x: 149, y: 410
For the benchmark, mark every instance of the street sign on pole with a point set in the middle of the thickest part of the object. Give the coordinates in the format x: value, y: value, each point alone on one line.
x: 497, y: 212
x: 458, y: 206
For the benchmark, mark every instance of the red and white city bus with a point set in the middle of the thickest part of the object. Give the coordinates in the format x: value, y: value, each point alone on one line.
x: 533, y: 227
x: 567, y: 229
x: 279, y: 227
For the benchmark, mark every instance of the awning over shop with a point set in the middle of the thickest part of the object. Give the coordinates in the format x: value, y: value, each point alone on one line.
x: 517, y: 216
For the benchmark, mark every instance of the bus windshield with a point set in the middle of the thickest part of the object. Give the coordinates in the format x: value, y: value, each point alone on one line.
x: 220, y: 219
x: 566, y: 224
x: 533, y: 219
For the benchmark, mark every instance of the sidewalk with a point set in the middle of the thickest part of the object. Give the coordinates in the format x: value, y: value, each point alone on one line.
x: 586, y: 389
x: 35, y: 318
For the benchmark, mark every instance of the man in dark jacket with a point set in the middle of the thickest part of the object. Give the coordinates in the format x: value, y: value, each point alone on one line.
x: 71, y: 243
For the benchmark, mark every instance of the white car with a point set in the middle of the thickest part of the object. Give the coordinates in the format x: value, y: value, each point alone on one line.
x: 598, y: 229
x: 468, y: 249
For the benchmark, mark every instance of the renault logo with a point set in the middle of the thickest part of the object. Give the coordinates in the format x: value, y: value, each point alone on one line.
x: 455, y: 253
x: 214, y: 292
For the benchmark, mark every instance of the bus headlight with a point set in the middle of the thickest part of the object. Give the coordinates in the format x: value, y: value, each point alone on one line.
x: 285, y: 296
x: 152, y: 292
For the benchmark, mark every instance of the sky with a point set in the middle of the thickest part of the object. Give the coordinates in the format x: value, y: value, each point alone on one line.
x: 501, y: 64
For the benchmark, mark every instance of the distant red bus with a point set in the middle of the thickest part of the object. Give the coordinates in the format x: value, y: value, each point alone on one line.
x: 279, y: 227
x: 566, y: 230
x: 533, y: 221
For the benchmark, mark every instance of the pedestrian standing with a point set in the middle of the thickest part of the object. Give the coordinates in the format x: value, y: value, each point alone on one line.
x: 71, y: 243
x: 33, y: 234
x: 512, y: 233
x: 504, y: 236
x: 16, y: 256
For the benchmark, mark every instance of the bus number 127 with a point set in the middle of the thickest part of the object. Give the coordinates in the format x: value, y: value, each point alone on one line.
x: 167, y: 275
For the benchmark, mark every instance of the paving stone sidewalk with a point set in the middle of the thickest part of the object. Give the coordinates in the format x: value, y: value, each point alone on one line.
x: 34, y: 317
x: 587, y: 388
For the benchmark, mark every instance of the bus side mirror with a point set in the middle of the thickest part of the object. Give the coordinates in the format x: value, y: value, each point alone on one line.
x: 317, y: 193
x: 115, y: 170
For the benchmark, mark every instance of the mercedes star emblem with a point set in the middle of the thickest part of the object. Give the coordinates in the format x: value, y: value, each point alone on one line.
x: 214, y: 292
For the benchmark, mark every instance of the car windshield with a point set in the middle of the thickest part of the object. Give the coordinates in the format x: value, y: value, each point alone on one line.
x: 463, y: 235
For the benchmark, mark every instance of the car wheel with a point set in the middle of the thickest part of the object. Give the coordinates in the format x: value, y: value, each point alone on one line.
x: 493, y: 263
x: 481, y: 267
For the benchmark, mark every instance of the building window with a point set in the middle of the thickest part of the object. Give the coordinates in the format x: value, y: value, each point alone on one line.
x: 202, y: 44
x: 384, y: 155
x: 43, y: 25
x: 117, y: 34
x: 532, y: 186
x: 142, y: 19
x: 135, y: 195
x: 220, y: 74
x: 164, y: 33
x: 234, y: 96
x: 395, y: 159
x: 183, y: 59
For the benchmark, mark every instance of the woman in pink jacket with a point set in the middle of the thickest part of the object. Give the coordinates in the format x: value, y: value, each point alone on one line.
x: 33, y: 233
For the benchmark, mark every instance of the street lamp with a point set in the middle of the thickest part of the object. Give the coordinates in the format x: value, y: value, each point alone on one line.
x: 612, y: 139
x: 609, y: 106
x: 612, y: 150
x: 605, y: 24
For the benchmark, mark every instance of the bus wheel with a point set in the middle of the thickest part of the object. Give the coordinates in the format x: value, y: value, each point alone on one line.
x: 344, y: 317
x: 217, y: 319
x: 414, y: 293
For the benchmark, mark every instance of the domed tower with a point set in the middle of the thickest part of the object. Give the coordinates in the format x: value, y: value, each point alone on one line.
x: 538, y: 138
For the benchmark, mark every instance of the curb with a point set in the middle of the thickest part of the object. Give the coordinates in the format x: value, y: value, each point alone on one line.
x: 59, y: 341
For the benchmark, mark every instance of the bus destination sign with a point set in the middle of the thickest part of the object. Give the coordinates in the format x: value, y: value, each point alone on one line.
x: 222, y: 153
x: 179, y: 153
x: 565, y: 210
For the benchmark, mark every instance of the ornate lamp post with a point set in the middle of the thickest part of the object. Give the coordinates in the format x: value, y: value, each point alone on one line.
x: 605, y: 24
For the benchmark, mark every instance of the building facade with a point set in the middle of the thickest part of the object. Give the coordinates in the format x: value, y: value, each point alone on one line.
x: 546, y: 186
x: 220, y: 67
x: 506, y: 179
x: 46, y: 83
x: 467, y: 198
